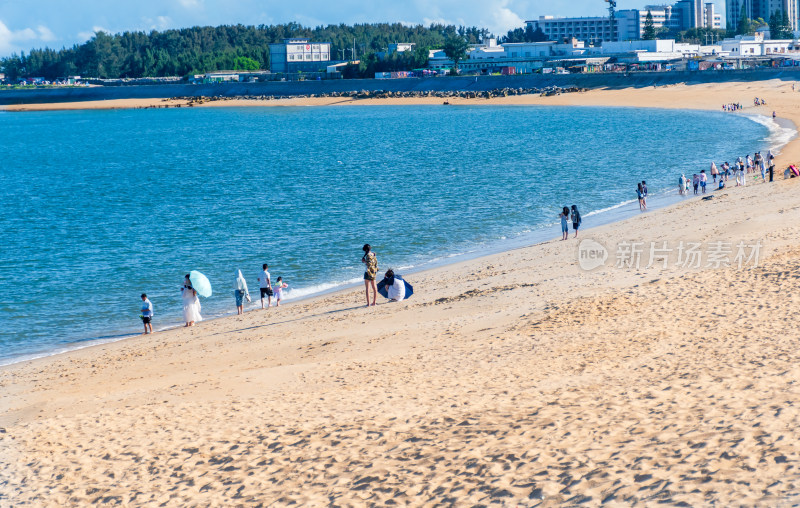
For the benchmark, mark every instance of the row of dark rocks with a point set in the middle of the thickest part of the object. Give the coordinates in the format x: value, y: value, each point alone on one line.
x: 383, y: 94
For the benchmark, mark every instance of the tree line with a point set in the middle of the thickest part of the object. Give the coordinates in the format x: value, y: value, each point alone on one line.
x: 197, y: 50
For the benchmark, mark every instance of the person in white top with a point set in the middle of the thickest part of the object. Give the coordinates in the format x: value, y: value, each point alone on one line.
x: 147, y: 314
x: 265, y: 286
x: 395, y: 287
x: 240, y: 291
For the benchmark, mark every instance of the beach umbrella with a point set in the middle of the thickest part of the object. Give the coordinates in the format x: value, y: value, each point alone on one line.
x: 200, y: 283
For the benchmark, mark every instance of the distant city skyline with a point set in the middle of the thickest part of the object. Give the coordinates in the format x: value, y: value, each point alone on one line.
x: 26, y: 24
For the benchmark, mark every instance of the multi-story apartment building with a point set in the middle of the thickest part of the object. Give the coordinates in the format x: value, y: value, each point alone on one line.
x: 763, y: 9
x: 630, y: 23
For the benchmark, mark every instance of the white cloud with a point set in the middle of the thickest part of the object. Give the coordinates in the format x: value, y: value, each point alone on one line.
x: 45, y: 34
x: 85, y: 36
x: 159, y: 23
x: 191, y: 4
x: 12, y: 41
x: 503, y: 19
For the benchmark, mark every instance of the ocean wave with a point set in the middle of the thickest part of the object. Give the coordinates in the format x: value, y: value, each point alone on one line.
x: 609, y: 208
x: 318, y: 289
x: 779, y: 136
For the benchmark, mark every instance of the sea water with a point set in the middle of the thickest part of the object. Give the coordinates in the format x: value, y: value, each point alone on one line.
x: 98, y: 207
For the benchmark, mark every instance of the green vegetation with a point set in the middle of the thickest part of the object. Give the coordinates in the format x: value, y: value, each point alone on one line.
x: 455, y: 47
x: 779, y: 25
x: 203, y: 49
x: 526, y: 35
x: 649, y: 32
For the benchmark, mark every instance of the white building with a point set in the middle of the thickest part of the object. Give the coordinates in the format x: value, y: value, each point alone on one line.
x: 299, y: 55
x: 659, y: 50
x: 745, y: 46
x: 630, y: 23
x: 401, y: 47
x: 588, y: 29
x: 522, y: 57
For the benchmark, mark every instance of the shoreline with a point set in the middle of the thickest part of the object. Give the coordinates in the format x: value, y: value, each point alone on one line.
x: 521, y: 240
x: 517, y: 369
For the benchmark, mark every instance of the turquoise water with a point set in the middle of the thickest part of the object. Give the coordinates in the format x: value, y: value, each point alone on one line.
x: 100, y: 206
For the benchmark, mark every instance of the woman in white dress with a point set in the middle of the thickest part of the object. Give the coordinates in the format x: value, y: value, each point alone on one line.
x: 191, y: 303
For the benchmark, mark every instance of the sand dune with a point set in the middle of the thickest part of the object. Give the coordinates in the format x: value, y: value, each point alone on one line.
x: 515, y: 379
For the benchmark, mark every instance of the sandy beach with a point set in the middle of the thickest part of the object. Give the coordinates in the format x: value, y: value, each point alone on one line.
x: 517, y: 379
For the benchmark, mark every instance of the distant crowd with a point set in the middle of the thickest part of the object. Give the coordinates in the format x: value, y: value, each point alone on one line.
x: 742, y: 167
x: 736, y: 106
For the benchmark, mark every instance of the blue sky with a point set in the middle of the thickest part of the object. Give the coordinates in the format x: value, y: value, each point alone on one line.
x: 56, y: 23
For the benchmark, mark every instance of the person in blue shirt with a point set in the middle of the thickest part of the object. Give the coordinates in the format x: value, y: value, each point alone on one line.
x: 147, y: 314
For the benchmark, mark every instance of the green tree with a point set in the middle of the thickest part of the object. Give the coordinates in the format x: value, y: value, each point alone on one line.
x: 774, y: 27
x: 539, y: 35
x: 455, y: 47
x: 744, y: 22
x: 205, y: 48
x: 243, y: 63
x: 786, y: 26
x: 649, y: 32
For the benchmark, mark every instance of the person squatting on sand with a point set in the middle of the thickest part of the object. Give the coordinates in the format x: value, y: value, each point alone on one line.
x: 371, y: 263
x: 191, y: 303
x: 395, y: 287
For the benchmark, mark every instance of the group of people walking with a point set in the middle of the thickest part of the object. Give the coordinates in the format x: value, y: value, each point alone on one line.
x: 394, y: 285
x: 732, y: 106
x: 568, y: 215
x: 757, y: 165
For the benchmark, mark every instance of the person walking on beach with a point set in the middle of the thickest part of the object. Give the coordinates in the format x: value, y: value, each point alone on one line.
x: 726, y: 171
x: 644, y: 191
x: 240, y: 292
x: 576, y: 219
x: 703, y: 180
x: 749, y: 162
x: 714, y: 171
x: 771, y: 165
x: 695, y: 183
x: 147, y: 314
x: 740, y: 173
x: 762, y: 166
x: 279, y: 287
x: 371, y: 264
x: 564, y: 216
x: 191, y: 303
x: 682, y: 185
x: 265, y: 285
x: 640, y: 195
